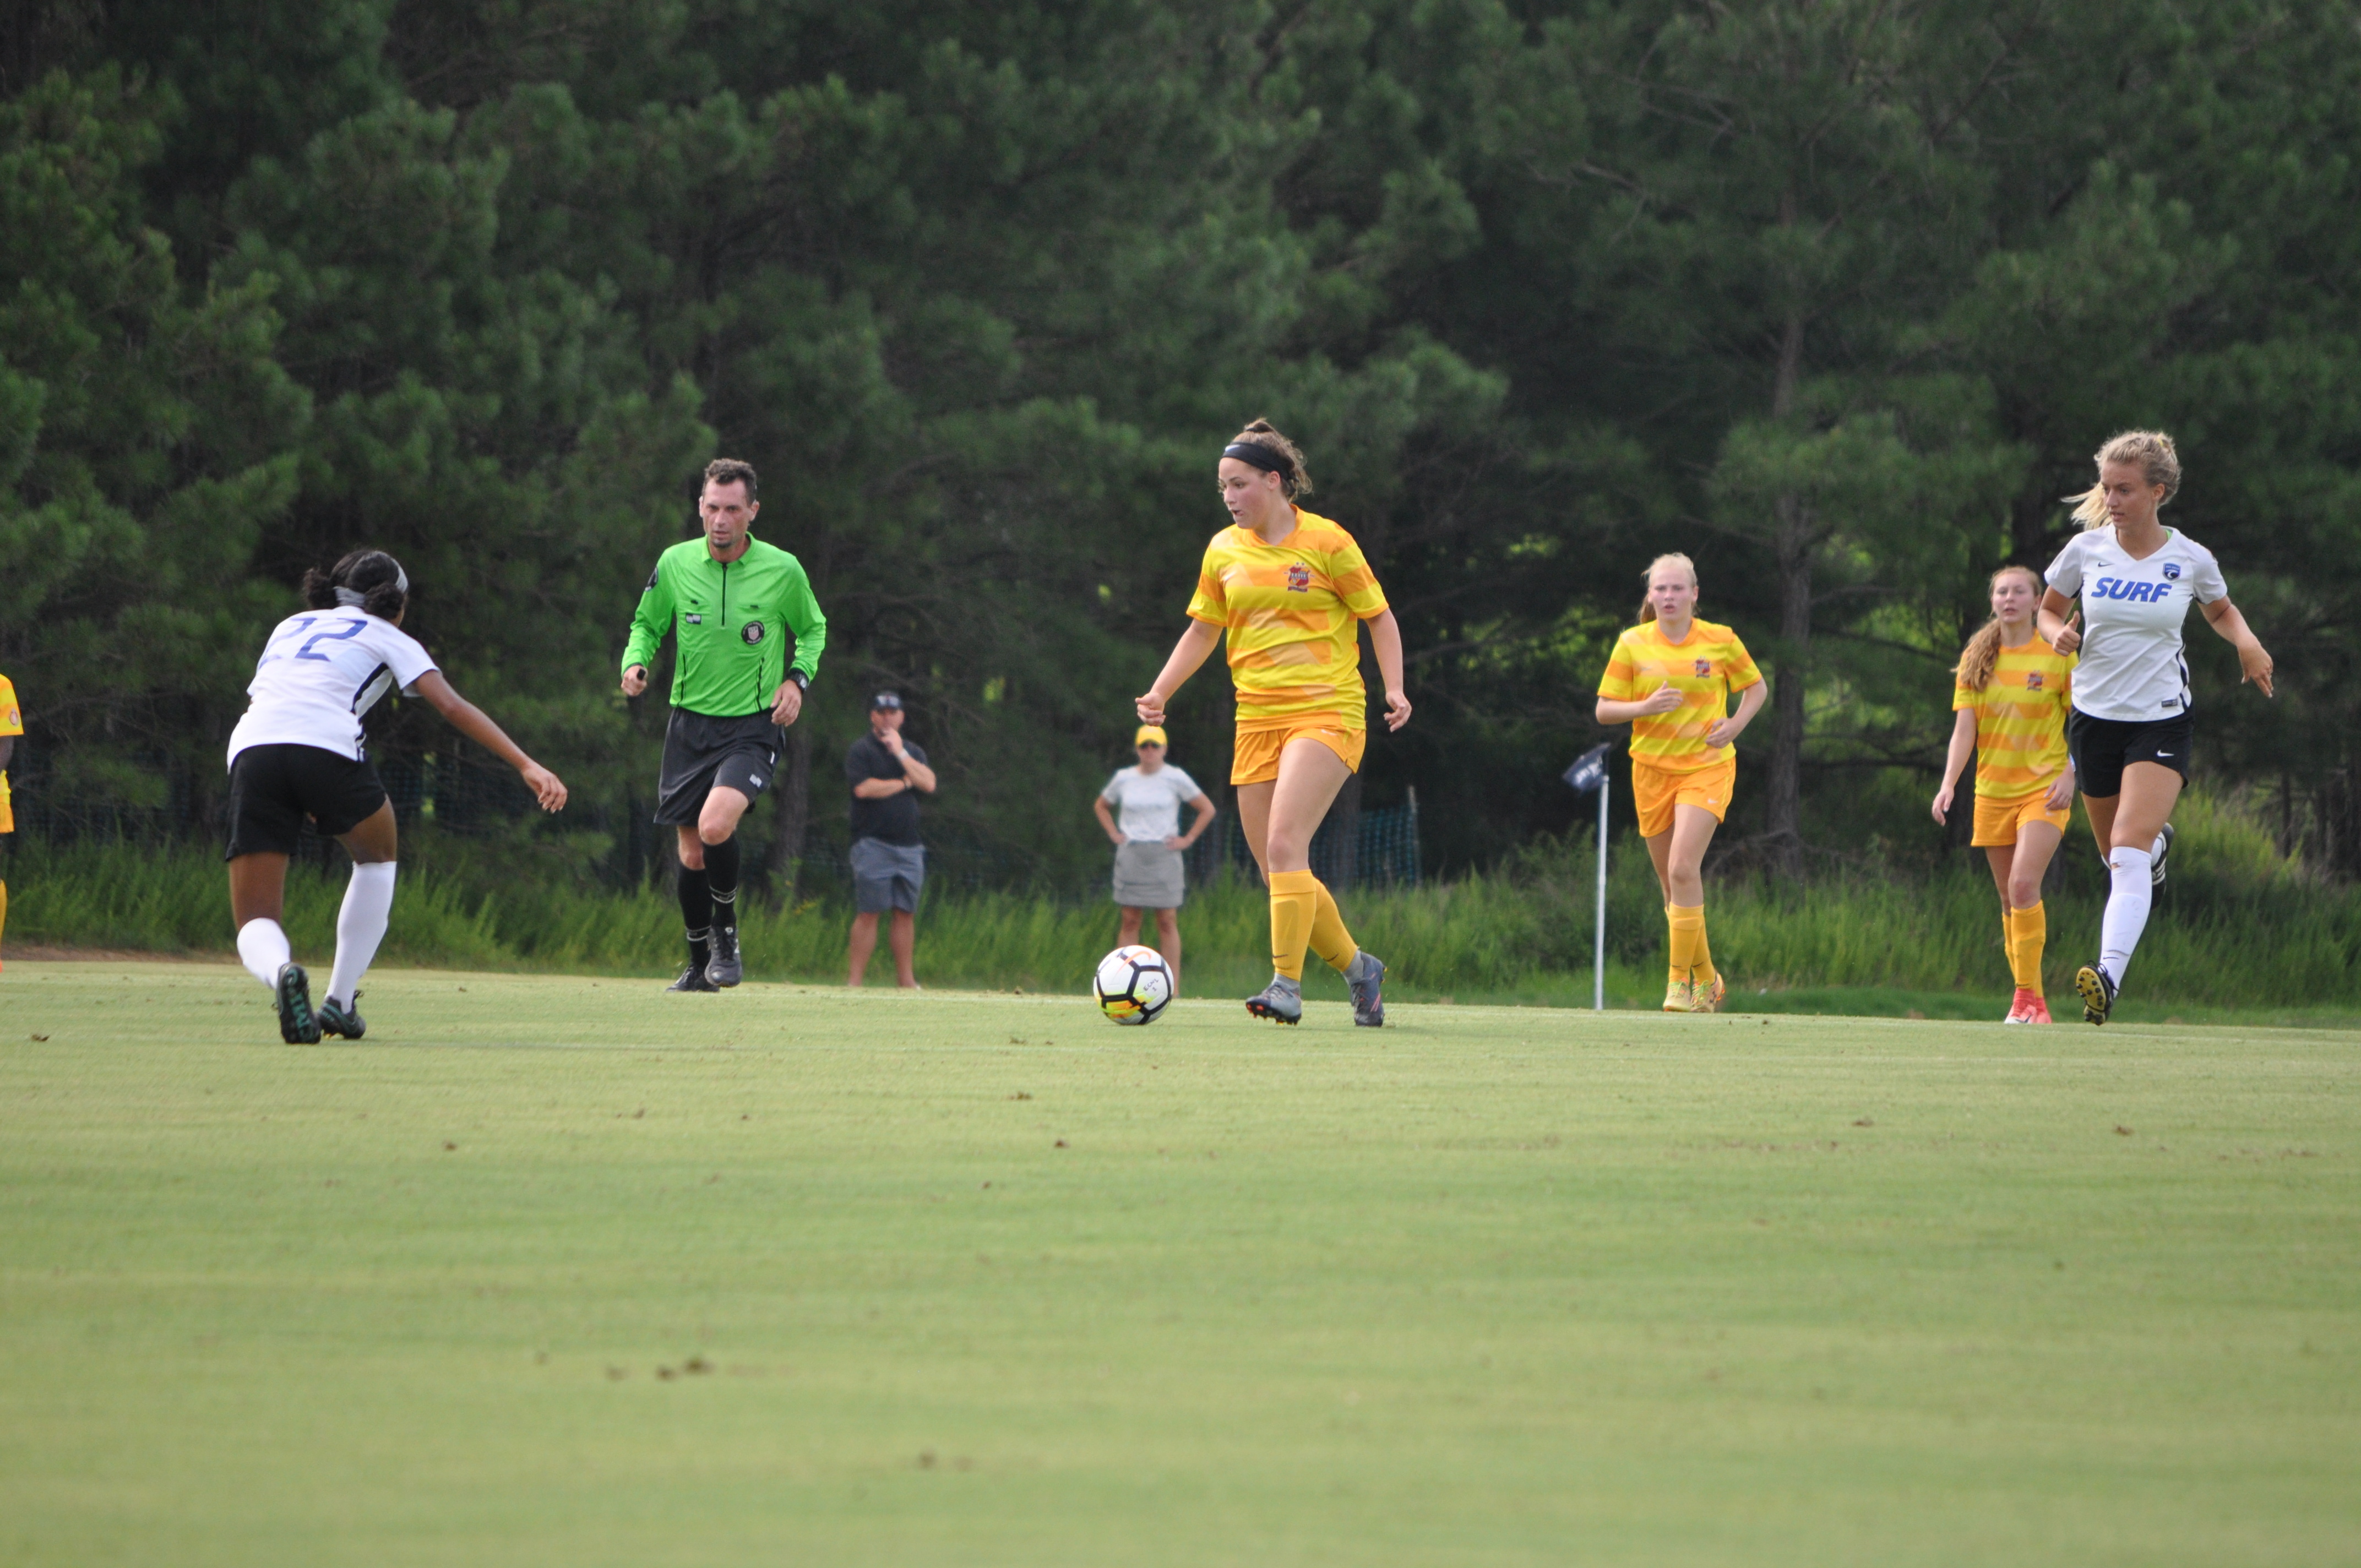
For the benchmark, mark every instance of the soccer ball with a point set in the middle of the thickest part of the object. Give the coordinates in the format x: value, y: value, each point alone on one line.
x: 1134, y: 984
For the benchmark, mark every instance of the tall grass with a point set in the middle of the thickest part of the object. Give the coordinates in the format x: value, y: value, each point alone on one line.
x: 2234, y: 926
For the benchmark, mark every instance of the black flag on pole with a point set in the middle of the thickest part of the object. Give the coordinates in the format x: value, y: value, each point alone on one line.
x: 1589, y: 769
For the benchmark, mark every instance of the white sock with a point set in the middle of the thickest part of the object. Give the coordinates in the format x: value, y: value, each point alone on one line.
x: 361, y: 927
x: 263, y: 944
x: 2126, y: 917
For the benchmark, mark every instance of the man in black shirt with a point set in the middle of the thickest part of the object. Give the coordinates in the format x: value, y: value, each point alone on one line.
x: 889, y: 864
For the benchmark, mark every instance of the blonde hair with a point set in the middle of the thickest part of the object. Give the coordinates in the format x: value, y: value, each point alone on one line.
x: 1982, y: 651
x: 1670, y: 559
x: 2159, y: 464
x: 1297, y: 480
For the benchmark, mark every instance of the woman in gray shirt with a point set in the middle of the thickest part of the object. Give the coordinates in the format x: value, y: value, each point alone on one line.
x: 1149, y: 841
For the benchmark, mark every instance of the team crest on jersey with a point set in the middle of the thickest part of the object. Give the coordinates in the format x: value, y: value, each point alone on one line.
x: 1703, y: 667
x: 1299, y: 578
x: 2033, y: 680
x: 751, y: 632
x: 2172, y: 571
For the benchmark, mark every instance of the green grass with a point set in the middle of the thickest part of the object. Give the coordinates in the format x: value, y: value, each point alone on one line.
x: 2236, y: 928
x: 555, y: 1271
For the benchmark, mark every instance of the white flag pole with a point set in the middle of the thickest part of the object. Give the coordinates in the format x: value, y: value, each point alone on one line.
x: 1599, y: 939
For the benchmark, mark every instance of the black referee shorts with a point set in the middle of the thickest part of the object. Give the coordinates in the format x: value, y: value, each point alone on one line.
x: 273, y: 788
x: 2102, y: 748
x: 701, y: 751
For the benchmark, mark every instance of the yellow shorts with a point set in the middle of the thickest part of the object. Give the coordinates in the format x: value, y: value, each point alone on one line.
x: 1657, y: 792
x: 1999, y: 821
x: 1254, y: 757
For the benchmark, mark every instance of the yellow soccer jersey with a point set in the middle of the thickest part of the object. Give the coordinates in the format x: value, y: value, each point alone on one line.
x: 2020, y: 719
x: 12, y: 722
x: 1705, y: 666
x: 1290, y: 610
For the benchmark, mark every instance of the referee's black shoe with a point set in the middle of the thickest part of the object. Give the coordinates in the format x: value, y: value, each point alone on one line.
x: 343, y: 1018
x: 725, y: 971
x: 693, y: 978
x: 298, y: 1024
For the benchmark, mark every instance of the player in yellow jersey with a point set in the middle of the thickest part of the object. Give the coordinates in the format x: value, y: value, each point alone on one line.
x: 1289, y: 590
x: 2012, y: 693
x: 1670, y: 678
x: 12, y: 724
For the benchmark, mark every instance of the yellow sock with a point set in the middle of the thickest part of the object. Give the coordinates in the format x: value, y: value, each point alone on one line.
x: 1294, y: 900
x: 2030, y: 928
x: 1329, y: 938
x: 1702, y: 962
x: 1687, y: 926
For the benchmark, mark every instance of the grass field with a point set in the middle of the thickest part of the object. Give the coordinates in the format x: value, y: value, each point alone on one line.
x: 555, y: 1271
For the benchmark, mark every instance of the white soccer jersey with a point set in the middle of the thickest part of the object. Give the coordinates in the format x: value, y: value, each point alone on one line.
x: 2133, y: 665
x: 320, y: 672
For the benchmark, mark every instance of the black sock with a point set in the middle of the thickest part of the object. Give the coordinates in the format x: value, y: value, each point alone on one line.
x: 695, y: 912
x: 721, y: 880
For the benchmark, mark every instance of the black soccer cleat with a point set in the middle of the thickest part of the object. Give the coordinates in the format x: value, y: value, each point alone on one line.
x: 343, y: 1019
x: 693, y: 978
x: 298, y: 1024
x: 2155, y: 866
x: 2097, y: 988
x: 725, y: 970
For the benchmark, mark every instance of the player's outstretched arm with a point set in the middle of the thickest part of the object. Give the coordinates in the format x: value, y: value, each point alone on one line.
x: 2253, y: 663
x: 1963, y: 746
x: 1385, y: 640
x: 1195, y: 646
x: 477, y: 726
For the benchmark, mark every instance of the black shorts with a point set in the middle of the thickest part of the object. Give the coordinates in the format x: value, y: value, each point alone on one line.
x: 2100, y: 748
x: 701, y: 752
x: 273, y: 788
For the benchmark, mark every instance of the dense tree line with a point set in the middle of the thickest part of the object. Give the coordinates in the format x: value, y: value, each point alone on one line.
x: 1836, y: 295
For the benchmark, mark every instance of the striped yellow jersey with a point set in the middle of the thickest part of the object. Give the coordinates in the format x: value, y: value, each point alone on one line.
x: 1705, y: 666
x: 12, y: 722
x: 2020, y: 719
x: 1290, y: 611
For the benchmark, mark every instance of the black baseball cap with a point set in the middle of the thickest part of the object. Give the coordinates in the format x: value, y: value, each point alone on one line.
x: 885, y: 702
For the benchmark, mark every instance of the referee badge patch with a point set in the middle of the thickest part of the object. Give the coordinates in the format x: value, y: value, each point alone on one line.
x: 751, y: 632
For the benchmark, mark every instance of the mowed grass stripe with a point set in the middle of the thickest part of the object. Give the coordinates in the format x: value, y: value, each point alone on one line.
x: 1493, y: 1285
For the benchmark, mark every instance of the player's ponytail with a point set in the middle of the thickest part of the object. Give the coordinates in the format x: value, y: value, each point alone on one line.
x: 1647, y: 600
x: 370, y: 580
x: 1982, y: 654
x: 2159, y: 464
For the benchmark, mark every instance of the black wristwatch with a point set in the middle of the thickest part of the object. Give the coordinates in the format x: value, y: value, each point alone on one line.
x: 803, y: 682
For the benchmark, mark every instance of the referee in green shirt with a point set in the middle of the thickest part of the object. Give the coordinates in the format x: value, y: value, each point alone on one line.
x: 731, y: 602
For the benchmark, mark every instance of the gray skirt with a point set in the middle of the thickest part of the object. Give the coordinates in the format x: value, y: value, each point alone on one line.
x: 1148, y: 876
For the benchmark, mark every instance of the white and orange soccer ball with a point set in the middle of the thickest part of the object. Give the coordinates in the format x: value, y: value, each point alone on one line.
x: 1134, y: 984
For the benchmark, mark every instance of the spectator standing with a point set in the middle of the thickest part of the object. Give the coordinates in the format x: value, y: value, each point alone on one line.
x: 889, y: 861
x: 1148, y: 843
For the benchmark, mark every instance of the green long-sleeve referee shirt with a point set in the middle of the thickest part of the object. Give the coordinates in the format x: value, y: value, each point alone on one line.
x: 733, y: 621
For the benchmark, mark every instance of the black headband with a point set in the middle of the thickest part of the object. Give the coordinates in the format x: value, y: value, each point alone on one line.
x: 1261, y: 456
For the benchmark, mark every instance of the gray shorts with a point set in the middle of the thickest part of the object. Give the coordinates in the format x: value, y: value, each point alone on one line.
x: 1148, y: 876
x: 886, y: 876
